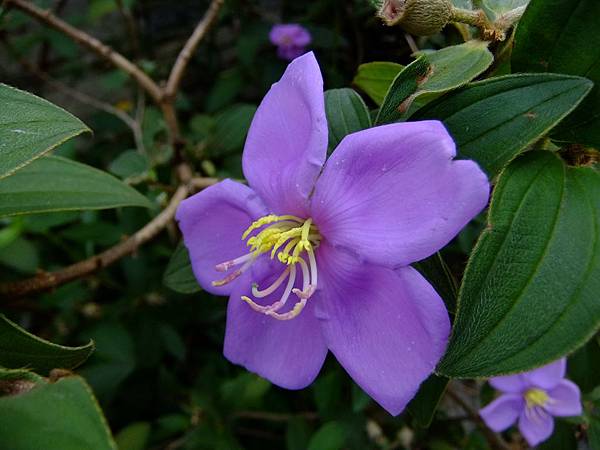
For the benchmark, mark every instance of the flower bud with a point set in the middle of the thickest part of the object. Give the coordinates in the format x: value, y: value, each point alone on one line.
x: 418, y: 17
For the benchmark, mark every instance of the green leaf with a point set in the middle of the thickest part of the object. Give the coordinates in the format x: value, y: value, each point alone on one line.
x: 31, y: 126
x: 19, y: 348
x: 57, y: 184
x: 54, y: 416
x: 496, y: 9
x: 422, y: 407
x: 129, y: 164
x: 431, y: 75
x: 530, y: 291
x: 179, y: 275
x: 231, y: 127
x: 297, y: 434
x: 594, y: 433
x: 346, y: 113
x: 134, y: 436
x: 375, y: 78
x: 492, y: 121
x: 564, y: 36
x: 584, y: 366
x: 440, y: 276
x: 331, y: 436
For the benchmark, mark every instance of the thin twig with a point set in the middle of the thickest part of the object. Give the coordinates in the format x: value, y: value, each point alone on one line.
x: 190, y: 47
x: 90, y: 42
x: 275, y: 417
x: 48, y: 280
x: 495, y: 441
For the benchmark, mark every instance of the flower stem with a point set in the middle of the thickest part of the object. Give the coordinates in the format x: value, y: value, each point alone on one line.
x: 479, y: 19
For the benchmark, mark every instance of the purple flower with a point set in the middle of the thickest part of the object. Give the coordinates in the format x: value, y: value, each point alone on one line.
x: 533, y: 398
x: 291, y: 40
x: 329, y: 246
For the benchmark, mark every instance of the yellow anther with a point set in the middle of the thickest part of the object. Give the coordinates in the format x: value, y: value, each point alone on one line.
x: 536, y: 397
x: 266, y: 220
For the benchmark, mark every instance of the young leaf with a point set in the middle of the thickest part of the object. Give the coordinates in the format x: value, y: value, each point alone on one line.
x: 375, y: 78
x: 530, y: 291
x: 230, y: 130
x: 57, y: 184
x: 179, y: 275
x: 19, y: 348
x: 54, y: 416
x: 346, y: 113
x: 31, y: 126
x: 430, y: 76
x: 564, y: 37
x: 492, y: 121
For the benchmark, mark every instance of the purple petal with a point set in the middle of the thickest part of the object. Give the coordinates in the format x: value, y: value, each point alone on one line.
x: 289, y: 34
x: 387, y: 328
x: 536, y: 425
x: 509, y: 383
x: 394, y: 195
x: 212, y: 223
x: 287, y: 141
x: 565, y: 400
x: 548, y: 376
x: 287, y: 353
x: 502, y: 412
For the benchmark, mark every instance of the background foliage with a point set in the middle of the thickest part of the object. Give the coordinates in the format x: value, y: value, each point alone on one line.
x: 142, y: 339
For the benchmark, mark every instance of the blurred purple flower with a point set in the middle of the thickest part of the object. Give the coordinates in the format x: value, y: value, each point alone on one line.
x: 291, y: 40
x: 533, y: 398
x: 388, y: 196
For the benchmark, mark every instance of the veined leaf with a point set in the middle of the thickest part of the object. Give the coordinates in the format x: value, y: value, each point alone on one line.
x: 21, y: 349
x: 492, y: 121
x: 31, y: 126
x: 346, y: 113
x: 54, y: 416
x: 375, y: 78
x: 564, y: 37
x: 58, y: 184
x: 179, y: 275
x: 431, y: 75
x: 530, y: 291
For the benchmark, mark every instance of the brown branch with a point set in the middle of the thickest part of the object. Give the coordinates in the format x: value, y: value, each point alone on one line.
x: 190, y: 47
x: 48, y: 280
x: 90, y: 42
x: 494, y: 440
x: 275, y: 417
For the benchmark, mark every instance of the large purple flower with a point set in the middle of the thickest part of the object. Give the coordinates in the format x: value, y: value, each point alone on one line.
x: 291, y: 40
x: 329, y: 245
x: 533, y: 398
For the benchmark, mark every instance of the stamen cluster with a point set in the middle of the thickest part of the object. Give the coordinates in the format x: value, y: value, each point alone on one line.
x: 293, y: 240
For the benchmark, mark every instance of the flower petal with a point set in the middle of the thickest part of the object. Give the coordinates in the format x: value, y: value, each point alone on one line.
x: 387, y: 328
x: 287, y: 141
x: 565, y: 400
x: 502, y: 412
x: 212, y: 223
x: 394, y: 195
x: 288, y: 353
x: 509, y: 383
x: 536, y: 425
x: 548, y: 376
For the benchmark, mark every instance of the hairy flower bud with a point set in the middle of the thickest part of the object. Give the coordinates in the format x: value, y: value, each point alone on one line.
x: 418, y: 17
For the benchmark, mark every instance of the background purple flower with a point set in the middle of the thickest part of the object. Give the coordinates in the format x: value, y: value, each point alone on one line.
x: 533, y: 398
x: 387, y: 197
x: 291, y: 40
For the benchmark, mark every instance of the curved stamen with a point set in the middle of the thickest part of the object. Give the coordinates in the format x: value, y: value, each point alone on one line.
x: 278, y: 304
x: 232, y: 276
x: 268, y: 291
x: 298, y: 307
x: 225, y: 266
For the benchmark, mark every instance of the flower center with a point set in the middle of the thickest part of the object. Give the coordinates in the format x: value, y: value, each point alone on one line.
x: 293, y: 240
x: 536, y: 397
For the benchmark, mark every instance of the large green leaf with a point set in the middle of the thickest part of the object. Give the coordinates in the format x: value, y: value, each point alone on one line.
x: 564, y: 36
x: 431, y: 75
x: 496, y: 9
x: 375, y: 78
x: 346, y: 113
x: 54, y: 416
x: 530, y: 291
x: 179, y: 275
x: 58, y: 184
x: 422, y: 407
x: 493, y: 121
x: 29, y: 127
x: 18, y: 348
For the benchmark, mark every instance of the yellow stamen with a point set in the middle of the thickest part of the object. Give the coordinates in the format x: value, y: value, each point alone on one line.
x: 536, y: 397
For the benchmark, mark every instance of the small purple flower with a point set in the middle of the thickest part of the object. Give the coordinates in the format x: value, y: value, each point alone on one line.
x: 329, y: 245
x: 291, y: 40
x: 533, y: 398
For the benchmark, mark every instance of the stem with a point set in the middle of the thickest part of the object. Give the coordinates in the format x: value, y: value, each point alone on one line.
x: 90, y: 42
x: 479, y: 19
x: 495, y: 441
